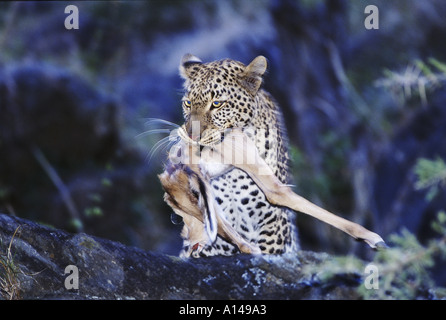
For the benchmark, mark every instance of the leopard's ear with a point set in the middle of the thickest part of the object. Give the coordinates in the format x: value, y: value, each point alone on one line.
x: 188, y: 66
x: 251, y: 77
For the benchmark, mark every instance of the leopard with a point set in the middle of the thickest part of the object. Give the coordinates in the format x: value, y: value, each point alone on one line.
x: 226, y: 94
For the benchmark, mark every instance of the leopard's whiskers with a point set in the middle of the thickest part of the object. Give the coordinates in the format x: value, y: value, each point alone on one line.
x: 164, y: 143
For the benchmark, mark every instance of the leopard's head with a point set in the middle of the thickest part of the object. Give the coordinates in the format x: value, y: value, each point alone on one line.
x: 219, y: 95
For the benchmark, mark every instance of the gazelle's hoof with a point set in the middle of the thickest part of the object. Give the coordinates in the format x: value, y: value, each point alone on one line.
x: 381, y: 245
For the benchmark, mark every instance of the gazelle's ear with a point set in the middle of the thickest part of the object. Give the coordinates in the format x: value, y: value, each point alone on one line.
x: 251, y: 77
x: 202, y: 192
x: 188, y: 66
x: 209, y: 213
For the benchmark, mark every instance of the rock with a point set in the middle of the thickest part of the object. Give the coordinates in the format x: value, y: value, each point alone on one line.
x: 110, y: 270
x: 65, y: 159
x: 59, y: 112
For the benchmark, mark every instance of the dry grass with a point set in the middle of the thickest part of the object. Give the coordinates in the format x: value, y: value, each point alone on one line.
x: 9, y: 282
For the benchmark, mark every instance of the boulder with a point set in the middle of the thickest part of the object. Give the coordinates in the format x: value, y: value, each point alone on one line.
x: 53, y: 264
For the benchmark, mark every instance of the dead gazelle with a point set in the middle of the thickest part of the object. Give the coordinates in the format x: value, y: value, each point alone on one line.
x: 188, y: 192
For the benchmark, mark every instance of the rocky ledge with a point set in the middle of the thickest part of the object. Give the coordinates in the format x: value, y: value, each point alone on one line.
x: 39, y: 262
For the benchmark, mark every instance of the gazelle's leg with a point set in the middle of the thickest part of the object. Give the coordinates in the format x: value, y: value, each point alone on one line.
x: 282, y: 195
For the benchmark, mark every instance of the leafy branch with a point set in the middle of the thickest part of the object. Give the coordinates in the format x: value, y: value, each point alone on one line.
x: 404, y: 267
x: 418, y: 78
x: 431, y: 175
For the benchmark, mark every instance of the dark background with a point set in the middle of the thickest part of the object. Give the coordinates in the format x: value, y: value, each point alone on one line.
x: 74, y: 102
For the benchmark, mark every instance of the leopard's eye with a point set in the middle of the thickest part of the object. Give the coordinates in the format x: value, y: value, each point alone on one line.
x: 187, y: 103
x: 217, y: 104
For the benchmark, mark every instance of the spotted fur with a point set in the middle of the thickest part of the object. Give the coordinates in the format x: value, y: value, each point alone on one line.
x: 226, y: 94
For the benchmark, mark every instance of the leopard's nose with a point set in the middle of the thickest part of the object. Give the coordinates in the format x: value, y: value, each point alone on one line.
x: 194, y: 135
x: 194, y: 129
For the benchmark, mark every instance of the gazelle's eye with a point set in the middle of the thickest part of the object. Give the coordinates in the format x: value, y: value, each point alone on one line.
x: 217, y: 104
x: 187, y: 103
